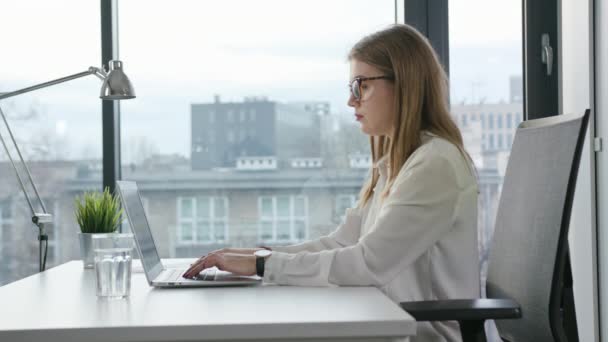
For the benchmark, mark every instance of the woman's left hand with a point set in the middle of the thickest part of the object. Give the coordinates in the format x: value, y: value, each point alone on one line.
x: 238, y: 264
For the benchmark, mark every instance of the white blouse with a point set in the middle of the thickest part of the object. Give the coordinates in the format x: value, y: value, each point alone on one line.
x: 419, y: 243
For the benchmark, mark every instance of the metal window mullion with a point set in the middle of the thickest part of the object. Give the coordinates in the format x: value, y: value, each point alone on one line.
x: 110, y: 113
x: 430, y: 17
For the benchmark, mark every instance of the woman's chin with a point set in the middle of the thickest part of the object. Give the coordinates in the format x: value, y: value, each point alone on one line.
x: 366, y: 130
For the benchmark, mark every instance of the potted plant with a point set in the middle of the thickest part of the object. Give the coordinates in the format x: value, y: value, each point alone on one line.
x: 96, y: 213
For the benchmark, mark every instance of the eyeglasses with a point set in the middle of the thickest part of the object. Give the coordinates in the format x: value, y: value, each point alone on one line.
x: 355, y: 84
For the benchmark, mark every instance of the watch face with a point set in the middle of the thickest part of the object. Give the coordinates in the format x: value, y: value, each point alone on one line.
x: 263, y: 253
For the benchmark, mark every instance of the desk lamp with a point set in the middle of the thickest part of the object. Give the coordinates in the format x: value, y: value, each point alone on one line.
x: 116, y: 86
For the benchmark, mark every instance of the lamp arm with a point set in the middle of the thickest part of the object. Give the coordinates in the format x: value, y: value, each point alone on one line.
x: 29, y: 202
x: 41, y: 219
x: 36, y: 217
x: 91, y: 71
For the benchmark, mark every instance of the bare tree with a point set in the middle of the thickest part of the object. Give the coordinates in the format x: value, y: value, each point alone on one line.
x: 140, y: 148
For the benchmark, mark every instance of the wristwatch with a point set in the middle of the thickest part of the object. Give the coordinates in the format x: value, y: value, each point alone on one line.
x: 260, y: 259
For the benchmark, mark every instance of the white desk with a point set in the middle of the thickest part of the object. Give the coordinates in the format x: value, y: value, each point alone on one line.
x: 60, y: 305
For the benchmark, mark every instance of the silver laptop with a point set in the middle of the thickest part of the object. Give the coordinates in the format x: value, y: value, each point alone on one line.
x: 156, y: 273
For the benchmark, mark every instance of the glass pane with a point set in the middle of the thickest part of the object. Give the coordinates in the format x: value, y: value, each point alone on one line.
x: 219, y: 231
x: 220, y: 207
x: 203, y: 207
x: 486, y: 77
x: 299, y: 206
x: 58, y: 128
x: 344, y: 202
x: 5, y: 210
x: 186, y: 232
x: 277, y: 118
x: 266, y: 230
x: 267, y: 210
x: 300, y: 230
x: 203, y: 231
x: 283, y: 230
x: 283, y: 206
x: 185, y: 208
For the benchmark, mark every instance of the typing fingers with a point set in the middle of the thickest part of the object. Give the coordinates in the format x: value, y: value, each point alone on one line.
x: 195, y: 268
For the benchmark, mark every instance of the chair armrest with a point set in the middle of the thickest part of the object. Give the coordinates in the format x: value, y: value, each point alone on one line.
x: 463, y: 309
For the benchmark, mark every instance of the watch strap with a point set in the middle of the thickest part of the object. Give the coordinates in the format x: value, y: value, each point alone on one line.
x: 259, y: 266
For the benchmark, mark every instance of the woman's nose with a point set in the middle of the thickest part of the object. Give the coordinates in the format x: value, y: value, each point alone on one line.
x: 351, y: 101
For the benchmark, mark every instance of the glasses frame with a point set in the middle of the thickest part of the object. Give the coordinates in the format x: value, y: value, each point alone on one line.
x: 359, y: 80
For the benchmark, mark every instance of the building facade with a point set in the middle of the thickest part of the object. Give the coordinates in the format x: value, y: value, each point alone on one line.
x: 224, y: 131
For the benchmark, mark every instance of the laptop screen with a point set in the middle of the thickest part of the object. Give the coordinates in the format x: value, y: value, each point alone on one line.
x: 136, y: 215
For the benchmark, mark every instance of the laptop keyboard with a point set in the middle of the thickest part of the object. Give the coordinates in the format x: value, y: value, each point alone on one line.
x: 173, y: 274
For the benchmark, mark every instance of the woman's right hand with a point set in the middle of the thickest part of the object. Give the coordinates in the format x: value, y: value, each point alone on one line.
x: 220, y: 252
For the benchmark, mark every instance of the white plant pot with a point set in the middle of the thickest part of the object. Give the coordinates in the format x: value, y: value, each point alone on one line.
x: 86, y: 249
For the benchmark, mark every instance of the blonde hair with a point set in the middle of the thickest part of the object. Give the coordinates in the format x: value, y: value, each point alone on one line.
x: 421, y: 97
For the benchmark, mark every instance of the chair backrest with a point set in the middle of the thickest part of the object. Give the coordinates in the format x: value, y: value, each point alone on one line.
x: 529, y: 247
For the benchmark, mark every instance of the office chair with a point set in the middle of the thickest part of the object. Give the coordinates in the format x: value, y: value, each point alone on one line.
x: 529, y: 284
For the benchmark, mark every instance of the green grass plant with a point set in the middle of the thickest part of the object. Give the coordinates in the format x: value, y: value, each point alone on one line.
x: 98, y: 212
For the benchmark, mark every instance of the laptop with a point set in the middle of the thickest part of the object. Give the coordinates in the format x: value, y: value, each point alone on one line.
x: 156, y: 273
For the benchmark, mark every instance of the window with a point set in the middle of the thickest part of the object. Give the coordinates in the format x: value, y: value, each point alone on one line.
x: 202, y: 219
x: 464, y: 120
x: 518, y: 119
x: 476, y: 83
x: 58, y: 128
x: 272, y: 81
x: 283, y: 218
x: 344, y: 202
x: 146, y: 203
x: 5, y: 220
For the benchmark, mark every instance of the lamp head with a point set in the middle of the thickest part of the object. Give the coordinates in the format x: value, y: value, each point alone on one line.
x: 116, y: 85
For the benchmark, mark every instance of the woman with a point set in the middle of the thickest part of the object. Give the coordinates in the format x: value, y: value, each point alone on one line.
x: 413, y: 233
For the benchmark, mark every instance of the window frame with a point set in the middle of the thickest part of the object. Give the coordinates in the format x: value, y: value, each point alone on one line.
x: 274, y: 219
x: 194, y: 220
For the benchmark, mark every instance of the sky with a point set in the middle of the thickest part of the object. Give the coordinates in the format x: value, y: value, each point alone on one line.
x: 191, y: 50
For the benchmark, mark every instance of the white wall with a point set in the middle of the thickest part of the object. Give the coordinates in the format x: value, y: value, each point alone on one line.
x: 574, y: 64
x: 601, y: 108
